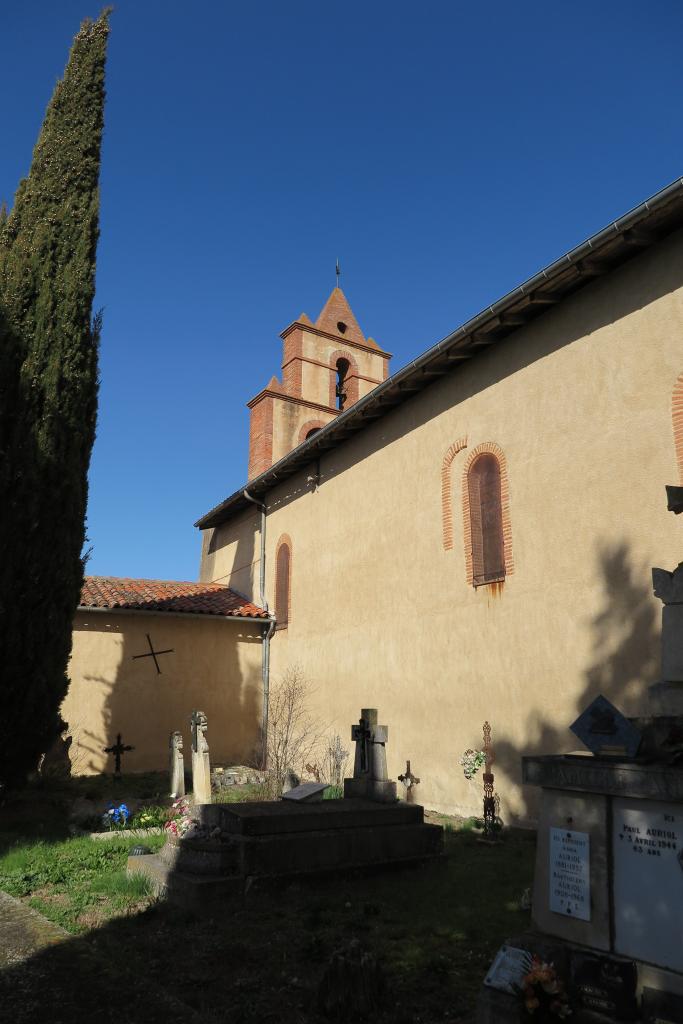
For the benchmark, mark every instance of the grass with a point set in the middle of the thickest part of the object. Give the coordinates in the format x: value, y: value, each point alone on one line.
x: 77, y: 883
x: 434, y: 930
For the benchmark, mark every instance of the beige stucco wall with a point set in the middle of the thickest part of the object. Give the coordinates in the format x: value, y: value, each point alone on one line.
x: 580, y: 404
x: 215, y: 667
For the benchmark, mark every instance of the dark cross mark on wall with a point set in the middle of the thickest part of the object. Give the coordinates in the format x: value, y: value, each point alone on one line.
x: 117, y: 749
x: 152, y: 653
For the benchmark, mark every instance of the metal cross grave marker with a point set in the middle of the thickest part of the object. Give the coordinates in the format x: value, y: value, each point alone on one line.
x: 409, y: 781
x: 117, y: 749
x: 153, y: 654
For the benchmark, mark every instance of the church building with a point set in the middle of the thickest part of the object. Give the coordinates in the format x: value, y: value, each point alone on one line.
x: 470, y: 539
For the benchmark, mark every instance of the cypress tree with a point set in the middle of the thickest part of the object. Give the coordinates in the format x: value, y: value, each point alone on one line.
x: 48, y: 403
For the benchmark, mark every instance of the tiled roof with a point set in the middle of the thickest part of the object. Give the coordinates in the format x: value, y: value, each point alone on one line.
x: 166, y: 596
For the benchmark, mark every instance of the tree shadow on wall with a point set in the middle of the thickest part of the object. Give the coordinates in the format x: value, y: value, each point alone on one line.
x: 625, y: 662
x: 145, y: 706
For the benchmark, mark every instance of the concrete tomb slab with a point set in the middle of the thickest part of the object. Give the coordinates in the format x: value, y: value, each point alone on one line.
x: 285, y: 838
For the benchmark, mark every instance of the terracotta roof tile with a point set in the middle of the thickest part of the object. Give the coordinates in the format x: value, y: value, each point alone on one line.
x: 166, y: 596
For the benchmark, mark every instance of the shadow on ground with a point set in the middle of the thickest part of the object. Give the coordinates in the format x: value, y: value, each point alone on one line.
x: 260, y: 958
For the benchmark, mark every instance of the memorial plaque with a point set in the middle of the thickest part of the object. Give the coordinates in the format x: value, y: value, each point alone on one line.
x: 604, y: 984
x: 605, y: 731
x: 647, y: 841
x: 508, y: 969
x: 569, y: 873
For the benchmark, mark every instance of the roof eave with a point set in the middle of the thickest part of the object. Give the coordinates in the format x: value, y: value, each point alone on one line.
x: 599, y: 254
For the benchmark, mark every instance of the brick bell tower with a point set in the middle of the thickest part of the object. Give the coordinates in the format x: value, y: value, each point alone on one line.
x: 326, y: 367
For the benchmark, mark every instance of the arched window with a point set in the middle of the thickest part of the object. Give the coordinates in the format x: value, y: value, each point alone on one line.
x: 311, y: 432
x: 282, y: 583
x: 340, y: 390
x: 486, y: 520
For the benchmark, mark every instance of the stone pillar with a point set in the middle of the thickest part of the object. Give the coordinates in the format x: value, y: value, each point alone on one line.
x: 176, y: 765
x: 201, y: 767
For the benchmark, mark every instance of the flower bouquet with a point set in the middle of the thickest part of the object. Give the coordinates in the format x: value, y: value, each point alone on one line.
x: 543, y: 993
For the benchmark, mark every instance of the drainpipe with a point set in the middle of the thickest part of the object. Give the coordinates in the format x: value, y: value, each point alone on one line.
x: 265, y: 660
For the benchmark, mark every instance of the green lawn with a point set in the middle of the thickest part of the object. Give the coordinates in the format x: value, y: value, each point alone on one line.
x: 433, y: 929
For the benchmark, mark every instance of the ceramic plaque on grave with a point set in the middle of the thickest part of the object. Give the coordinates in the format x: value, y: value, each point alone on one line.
x: 604, y: 984
x: 569, y: 873
x: 647, y: 842
x: 605, y: 731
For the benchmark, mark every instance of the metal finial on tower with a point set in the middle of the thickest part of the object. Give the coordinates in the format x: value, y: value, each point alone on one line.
x: 337, y: 271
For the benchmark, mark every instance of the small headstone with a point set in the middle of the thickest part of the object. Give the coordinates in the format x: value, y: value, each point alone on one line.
x: 176, y: 765
x: 201, y: 767
x: 307, y: 792
x: 605, y: 731
x: 290, y: 782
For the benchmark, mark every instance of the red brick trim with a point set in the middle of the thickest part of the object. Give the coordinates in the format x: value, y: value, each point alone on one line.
x: 446, y: 494
x: 311, y: 329
x: 677, y: 421
x: 494, y: 449
x: 288, y: 398
x: 284, y: 541
x: 260, y: 437
x: 351, y: 377
x: 310, y: 425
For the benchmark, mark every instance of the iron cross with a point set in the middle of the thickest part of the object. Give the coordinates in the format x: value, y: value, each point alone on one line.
x: 117, y: 749
x: 152, y: 653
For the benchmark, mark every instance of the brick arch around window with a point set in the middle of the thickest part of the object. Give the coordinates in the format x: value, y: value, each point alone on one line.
x: 308, y: 426
x: 283, y: 581
x: 447, y: 492
x: 493, y: 449
x: 351, y: 377
x: 677, y: 422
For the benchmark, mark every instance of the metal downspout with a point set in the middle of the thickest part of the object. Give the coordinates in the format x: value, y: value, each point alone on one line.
x: 265, y: 658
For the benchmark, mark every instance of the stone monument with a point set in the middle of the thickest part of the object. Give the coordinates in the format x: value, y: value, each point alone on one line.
x: 607, y: 907
x: 201, y: 767
x: 176, y: 765
x: 232, y: 844
x: 370, y: 780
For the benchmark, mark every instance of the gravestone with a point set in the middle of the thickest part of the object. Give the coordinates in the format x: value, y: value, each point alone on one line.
x: 235, y: 843
x: 370, y: 780
x: 201, y: 767
x: 607, y: 903
x: 176, y: 765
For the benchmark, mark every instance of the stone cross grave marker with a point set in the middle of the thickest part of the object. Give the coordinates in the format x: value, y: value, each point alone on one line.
x: 370, y: 779
x: 176, y: 764
x: 605, y: 731
x: 201, y: 767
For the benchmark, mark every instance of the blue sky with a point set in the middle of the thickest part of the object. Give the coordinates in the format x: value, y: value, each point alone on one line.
x: 444, y: 152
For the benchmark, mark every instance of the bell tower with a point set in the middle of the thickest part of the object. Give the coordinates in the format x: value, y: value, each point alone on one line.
x: 326, y: 367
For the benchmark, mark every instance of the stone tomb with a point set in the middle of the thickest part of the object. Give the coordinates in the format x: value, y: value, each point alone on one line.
x: 233, y: 844
x: 607, y: 905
